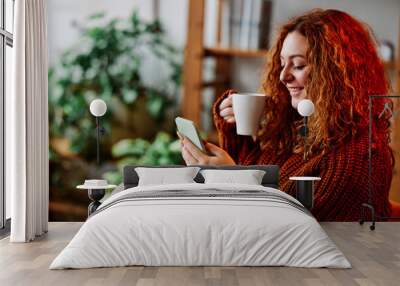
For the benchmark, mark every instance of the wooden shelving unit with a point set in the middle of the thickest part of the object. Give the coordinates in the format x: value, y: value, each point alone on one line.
x: 231, y: 52
x: 391, y: 65
x: 195, y: 53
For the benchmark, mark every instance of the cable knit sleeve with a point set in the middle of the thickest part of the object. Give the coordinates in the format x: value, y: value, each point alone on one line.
x: 345, y: 180
x: 237, y: 146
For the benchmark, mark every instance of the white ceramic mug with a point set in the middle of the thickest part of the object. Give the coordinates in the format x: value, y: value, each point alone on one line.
x: 248, y: 108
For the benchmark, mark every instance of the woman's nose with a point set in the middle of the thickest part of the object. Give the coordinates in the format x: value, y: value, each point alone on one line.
x: 285, y: 75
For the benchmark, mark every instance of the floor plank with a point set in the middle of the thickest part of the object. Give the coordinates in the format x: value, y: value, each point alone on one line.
x: 374, y: 255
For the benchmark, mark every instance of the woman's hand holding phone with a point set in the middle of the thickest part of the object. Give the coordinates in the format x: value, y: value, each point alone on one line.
x: 194, y: 156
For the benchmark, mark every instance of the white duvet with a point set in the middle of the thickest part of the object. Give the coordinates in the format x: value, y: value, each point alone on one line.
x: 200, y: 231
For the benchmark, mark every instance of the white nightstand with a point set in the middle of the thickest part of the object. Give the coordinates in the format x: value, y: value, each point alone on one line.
x: 305, y: 190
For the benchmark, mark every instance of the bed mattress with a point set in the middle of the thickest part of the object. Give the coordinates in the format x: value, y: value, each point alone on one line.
x: 201, y: 225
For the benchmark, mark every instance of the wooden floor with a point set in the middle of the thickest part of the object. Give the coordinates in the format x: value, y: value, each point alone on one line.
x: 375, y: 257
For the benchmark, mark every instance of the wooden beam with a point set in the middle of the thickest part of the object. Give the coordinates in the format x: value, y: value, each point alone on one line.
x: 193, y: 63
x: 217, y: 82
x: 220, y: 4
x: 234, y: 52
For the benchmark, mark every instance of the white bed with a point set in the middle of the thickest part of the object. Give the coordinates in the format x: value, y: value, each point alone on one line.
x: 249, y: 225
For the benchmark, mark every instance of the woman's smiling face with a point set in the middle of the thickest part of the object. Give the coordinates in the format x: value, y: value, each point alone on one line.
x: 295, y: 69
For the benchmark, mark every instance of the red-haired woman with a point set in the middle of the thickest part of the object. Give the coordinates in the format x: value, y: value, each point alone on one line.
x: 329, y: 57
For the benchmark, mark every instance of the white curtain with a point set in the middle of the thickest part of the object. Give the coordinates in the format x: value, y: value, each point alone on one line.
x: 27, y: 124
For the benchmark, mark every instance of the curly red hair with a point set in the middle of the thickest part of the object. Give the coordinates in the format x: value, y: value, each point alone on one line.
x: 345, y: 70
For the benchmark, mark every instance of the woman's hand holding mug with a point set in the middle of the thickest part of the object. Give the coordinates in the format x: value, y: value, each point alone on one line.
x: 247, y: 109
x: 226, y: 109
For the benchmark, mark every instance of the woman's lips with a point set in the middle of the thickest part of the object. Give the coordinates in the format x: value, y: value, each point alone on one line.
x: 295, y: 91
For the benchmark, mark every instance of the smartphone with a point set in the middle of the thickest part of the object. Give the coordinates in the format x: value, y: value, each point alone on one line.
x: 186, y: 128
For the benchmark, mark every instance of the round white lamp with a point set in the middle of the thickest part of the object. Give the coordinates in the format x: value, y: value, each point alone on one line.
x: 305, y: 108
x: 98, y: 108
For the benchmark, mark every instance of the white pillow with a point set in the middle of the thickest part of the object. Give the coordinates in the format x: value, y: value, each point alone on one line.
x: 163, y: 176
x: 248, y: 177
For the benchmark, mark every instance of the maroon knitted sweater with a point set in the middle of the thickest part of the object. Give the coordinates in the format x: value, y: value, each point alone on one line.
x: 344, y: 171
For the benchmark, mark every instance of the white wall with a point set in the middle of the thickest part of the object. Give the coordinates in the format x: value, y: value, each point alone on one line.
x: 63, y: 13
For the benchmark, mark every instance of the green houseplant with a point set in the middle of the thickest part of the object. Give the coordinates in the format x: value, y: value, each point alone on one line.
x: 108, y: 63
x: 164, y: 150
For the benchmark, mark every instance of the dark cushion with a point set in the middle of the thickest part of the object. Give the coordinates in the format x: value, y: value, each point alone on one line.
x: 270, y: 179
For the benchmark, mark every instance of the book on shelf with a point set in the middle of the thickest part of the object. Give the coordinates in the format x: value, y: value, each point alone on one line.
x: 246, y: 24
x: 265, y: 24
x: 226, y: 24
x: 255, y: 25
x: 236, y: 22
x: 245, y: 27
